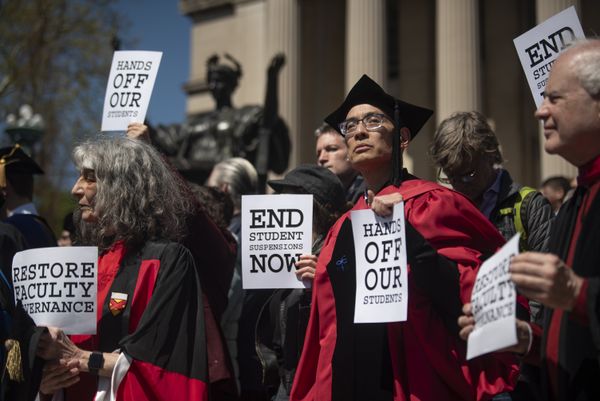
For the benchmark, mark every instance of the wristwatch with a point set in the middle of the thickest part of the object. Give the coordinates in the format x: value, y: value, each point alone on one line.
x: 95, y: 362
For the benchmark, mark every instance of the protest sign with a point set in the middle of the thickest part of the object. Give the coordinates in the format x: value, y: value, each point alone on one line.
x: 276, y: 230
x: 494, y: 303
x: 58, y: 286
x: 381, y: 269
x: 540, y: 46
x: 129, y: 88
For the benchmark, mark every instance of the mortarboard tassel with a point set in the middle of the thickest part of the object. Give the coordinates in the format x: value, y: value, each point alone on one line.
x: 14, y: 366
x: 3, y: 162
x: 2, y: 173
x: 396, y: 153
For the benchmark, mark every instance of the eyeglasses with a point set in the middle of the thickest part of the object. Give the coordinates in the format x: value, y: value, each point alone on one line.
x: 372, y: 121
x: 464, y: 179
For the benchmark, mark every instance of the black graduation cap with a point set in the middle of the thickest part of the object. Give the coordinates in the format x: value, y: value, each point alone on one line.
x: 367, y: 91
x: 14, y: 160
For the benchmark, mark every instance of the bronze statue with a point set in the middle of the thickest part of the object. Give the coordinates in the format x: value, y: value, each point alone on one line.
x: 255, y: 133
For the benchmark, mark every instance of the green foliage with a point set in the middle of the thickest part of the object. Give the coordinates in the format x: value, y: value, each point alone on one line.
x: 55, y: 56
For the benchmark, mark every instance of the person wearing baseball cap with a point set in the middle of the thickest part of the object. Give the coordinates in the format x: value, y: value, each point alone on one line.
x: 282, y: 321
x: 446, y: 239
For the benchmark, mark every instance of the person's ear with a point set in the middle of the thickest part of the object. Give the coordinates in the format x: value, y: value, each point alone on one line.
x: 404, y: 138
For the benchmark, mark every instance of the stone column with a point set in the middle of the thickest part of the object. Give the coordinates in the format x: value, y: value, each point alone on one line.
x: 457, y: 57
x: 553, y: 164
x: 365, y: 41
x: 283, y: 36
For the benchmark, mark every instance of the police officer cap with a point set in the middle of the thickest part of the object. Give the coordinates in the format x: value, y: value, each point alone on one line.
x: 13, y: 160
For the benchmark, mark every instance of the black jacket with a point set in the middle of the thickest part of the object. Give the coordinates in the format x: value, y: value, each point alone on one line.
x: 536, y: 214
x: 579, y: 345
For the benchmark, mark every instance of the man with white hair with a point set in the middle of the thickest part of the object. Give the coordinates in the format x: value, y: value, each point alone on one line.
x: 567, y: 280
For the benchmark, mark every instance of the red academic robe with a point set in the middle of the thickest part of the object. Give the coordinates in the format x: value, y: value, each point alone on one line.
x: 422, y: 358
x: 160, y: 327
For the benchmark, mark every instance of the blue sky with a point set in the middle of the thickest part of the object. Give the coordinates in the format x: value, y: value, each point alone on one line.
x: 158, y: 25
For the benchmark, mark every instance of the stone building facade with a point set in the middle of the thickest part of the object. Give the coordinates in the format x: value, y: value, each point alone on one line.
x: 449, y: 55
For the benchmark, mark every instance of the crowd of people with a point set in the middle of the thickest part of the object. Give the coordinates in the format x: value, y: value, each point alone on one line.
x: 190, y: 331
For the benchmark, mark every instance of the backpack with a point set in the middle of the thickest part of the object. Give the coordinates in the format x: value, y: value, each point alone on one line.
x: 519, y: 213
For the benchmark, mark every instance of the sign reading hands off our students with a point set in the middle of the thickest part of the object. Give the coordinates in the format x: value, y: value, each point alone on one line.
x: 381, y: 268
x: 540, y: 46
x: 494, y: 304
x: 276, y: 230
x: 129, y: 88
x: 58, y: 286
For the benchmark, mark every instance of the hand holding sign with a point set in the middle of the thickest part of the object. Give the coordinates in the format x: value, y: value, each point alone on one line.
x: 544, y: 277
x: 467, y: 324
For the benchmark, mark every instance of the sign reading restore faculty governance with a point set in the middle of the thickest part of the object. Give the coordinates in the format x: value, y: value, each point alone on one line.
x: 276, y: 231
x: 494, y: 304
x: 381, y: 268
x: 58, y: 286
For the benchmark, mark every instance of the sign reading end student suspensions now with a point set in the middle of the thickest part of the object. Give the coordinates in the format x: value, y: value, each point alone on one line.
x: 381, y: 268
x: 58, y: 286
x: 129, y: 88
x: 276, y: 231
x: 540, y: 46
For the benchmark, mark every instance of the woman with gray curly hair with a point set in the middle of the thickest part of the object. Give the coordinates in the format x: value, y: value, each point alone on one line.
x: 138, y: 197
x: 150, y: 342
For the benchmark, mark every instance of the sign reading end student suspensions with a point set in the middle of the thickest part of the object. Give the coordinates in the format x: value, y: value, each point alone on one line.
x: 381, y: 268
x: 58, y: 286
x: 129, y: 88
x: 494, y: 304
x: 276, y: 231
x: 540, y: 46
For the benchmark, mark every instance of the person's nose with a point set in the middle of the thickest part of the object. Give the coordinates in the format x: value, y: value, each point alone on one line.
x: 322, y: 158
x: 542, y: 112
x: 77, y: 190
x: 361, y: 131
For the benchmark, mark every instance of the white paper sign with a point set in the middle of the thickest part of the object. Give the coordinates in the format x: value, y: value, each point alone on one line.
x: 58, y: 286
x: 129, y: 88
x: 540, y: 46
x: 381, y: 269
x: 276, y: 230
x: 494, y: 303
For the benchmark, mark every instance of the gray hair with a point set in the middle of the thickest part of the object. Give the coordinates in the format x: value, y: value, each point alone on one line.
x: 586, y: 64
x: 240, y: 177
x: 138, y: 196
x: 462, y: 137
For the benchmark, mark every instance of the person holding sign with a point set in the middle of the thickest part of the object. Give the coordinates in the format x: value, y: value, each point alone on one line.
x: 281, y: 325
x: 150, y: 342
x: 567, y: 281
x: 446, y: 239
x: 467, y: 150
